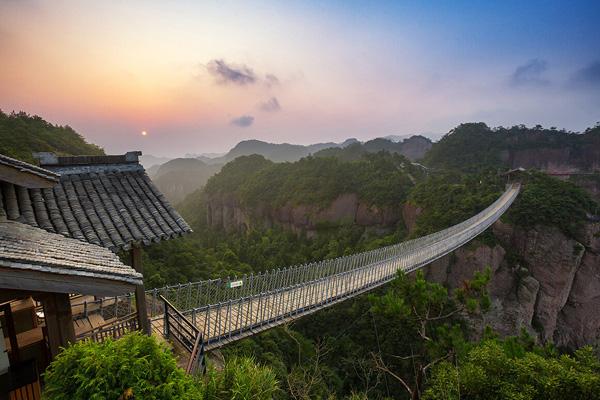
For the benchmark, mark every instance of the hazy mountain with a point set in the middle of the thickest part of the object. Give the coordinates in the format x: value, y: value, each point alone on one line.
x: 396, y: 138
x: 153, y: 170
x: 413, y: 148
x: 277, y: 152
x: 181, y: 176
x: 202, y: 156
x: 148, y: 160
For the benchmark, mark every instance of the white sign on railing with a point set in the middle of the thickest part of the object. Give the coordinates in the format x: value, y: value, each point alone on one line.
x: 234, y: 284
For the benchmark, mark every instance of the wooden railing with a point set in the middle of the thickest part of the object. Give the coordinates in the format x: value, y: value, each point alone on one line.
x: 178, y: 327
x: 21, y: 382
x: 197, y: 365
x: 113, y: 329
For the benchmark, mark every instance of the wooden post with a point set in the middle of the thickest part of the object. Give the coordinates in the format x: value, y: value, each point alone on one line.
x: 59, y: 321
x: 12, y: 334
x: 140, y: 293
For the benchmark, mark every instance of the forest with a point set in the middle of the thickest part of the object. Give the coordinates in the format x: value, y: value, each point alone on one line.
x: 411, y: 339
x: 22, y: 134
x: 375, y: 346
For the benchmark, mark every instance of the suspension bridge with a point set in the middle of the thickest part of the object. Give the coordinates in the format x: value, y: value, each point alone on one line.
x: 226, y: 310
x: 208, y: 314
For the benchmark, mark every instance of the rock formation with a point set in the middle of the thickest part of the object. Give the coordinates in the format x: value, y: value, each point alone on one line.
x: 542, y: 281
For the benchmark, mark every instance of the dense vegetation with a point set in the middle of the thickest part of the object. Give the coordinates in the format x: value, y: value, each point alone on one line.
x: 22, y: 134
x: 515, y: 368
x: 139, y: 367
x: 210, y: 253
x: 549, y: 201
x: 407, y: 340
x: 475, y: 146
x: 361, y: 348
x: 381, y: 179
x: 448, y: 198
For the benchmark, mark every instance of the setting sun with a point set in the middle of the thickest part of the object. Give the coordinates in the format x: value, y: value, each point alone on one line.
x: 144, y: 133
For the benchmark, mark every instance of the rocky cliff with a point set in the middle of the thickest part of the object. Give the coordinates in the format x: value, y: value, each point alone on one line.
x: 225, y: 212
x: 542, y: 281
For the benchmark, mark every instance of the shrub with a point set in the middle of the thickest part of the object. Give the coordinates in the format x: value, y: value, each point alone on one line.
x: 241, y: 379
x: 135, y: 366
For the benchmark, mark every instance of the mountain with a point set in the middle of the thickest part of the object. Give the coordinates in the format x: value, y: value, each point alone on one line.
x: 312, y: 193
x: 277, y: 152
x: 413, y: 148
x: 181, y: 176
x: 148, y: 160
x: 22, y: 134
x: 472, y: 146
x: 542, y: 254
x: 203, y: 155
x: 396, y: 138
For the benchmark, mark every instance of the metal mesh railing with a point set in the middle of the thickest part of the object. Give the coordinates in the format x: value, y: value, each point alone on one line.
x: 226, y: 309
x: 230, y: 308
x: 195, y: 294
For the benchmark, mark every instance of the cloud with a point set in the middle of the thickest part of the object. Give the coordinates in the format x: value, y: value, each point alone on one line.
x: 243, y: 121
x: 588, y: 76
x: 239, y: 74
x: 271, y: 105
x: 530, y: 74
x: 235, y: 74
x: 271, y: 80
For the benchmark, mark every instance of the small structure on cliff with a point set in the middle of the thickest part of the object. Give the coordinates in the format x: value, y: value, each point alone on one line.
x: 43, y: 267
x: 63, y: 222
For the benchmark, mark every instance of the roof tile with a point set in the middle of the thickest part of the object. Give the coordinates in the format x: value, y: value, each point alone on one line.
x: 113, y: 205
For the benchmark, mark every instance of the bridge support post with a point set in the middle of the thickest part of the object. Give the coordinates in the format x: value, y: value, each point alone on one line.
x: 140, y: 293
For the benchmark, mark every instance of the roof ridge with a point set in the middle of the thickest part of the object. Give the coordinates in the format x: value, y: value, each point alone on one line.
x: 48, y: 159
x: 29, y: 168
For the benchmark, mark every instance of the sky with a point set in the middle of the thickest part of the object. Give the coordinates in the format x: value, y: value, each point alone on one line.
x: 199, y: 76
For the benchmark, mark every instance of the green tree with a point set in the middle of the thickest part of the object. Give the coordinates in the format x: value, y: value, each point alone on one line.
x: 495, y: 370
x: 430, y: 314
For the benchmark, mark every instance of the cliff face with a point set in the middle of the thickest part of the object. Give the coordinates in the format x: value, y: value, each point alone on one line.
x: 555, y: 160
x: 541, y: 281
x: 225, y: 212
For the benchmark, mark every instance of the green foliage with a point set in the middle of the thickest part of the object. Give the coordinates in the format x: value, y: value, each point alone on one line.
x: 472, y: 147
x: 449, y: 198
x: 512, y: 369
x: 427, y: 308
x: 353, y: 152
x: 240, y: 379
x: 21, y: 134
x: 381, y: 179
x: 548, y: 201
x: 209, y: 253
x: 235, y: 173
x: 135, y: 365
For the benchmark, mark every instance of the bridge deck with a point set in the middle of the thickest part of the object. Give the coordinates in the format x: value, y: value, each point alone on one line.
x: 238, y: 317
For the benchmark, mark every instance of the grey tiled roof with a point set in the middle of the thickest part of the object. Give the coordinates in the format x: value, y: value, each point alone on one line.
x: 29, y: 168
x: 106, y: 200
x: 26, y: 247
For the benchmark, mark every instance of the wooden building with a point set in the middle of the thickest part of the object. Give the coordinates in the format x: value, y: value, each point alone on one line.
x: 61, y: 225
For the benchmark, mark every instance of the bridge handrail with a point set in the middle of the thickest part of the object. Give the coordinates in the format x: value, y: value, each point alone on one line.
x: 188, y: 296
